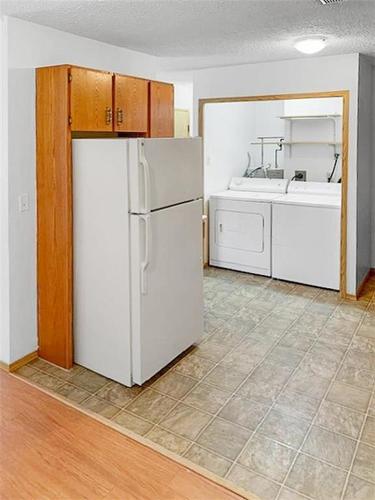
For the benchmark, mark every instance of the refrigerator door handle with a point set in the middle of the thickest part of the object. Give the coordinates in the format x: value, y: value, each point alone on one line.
x: 146, y: 176
x: 146, y: 261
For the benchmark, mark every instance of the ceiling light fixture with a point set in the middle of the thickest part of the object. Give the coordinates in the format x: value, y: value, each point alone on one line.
x: 310, y: 45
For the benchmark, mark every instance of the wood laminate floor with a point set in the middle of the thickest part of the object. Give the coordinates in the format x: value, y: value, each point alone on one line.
x: 50, y: 450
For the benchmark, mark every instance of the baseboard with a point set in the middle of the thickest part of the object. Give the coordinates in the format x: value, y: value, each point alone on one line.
x: 4, y: 366
x: 16, y: 365
x: 349, y: 296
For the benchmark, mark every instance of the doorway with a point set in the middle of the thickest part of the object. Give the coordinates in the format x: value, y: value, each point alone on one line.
x: 296, y: 108
x: 181, y: 123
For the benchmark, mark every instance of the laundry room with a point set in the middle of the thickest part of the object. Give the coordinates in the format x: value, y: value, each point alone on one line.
x: 272, y: 138
x: 273, y: 178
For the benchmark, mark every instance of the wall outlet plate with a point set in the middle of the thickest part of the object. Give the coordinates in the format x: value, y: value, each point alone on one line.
x: 300, y: 175
x: 275, y: 173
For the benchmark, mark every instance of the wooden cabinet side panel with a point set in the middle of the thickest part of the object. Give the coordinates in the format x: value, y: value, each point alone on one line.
x: 54, y: 216
x: 131, y: 104
x: 161, y: 109
x: 91, y: 100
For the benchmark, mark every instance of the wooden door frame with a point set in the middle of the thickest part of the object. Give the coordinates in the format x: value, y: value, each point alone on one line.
x: 345, y: 95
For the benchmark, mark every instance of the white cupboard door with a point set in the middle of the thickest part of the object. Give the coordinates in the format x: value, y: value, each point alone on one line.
x: 164, y: 172
x: 167, y: 286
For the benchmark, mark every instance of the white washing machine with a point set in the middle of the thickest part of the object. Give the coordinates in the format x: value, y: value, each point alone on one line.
x: 240, y: 224
x: 306, y: 234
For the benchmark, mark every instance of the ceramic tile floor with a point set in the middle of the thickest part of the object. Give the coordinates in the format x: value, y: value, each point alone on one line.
x: 278, y: 397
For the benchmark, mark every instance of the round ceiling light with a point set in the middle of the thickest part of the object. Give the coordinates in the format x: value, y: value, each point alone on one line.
x: 310, y: 45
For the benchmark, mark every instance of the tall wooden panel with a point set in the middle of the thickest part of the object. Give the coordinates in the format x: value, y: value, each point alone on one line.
x: 131, y: 104
x: 91, y: 100
x: 54, y: 216
x: 161, y: 110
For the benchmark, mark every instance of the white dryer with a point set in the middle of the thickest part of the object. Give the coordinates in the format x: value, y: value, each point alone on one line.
x: 240, y: 224
x: 306, y: 234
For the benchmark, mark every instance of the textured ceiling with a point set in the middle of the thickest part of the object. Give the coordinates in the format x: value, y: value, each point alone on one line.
x: 220, y: 31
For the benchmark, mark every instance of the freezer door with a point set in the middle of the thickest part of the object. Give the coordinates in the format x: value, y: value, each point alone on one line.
x: 166, y: 287
x: 101, y: 258
x: 164, y: 172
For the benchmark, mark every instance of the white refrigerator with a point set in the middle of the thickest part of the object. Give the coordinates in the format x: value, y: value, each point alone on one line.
x: 138, y: 279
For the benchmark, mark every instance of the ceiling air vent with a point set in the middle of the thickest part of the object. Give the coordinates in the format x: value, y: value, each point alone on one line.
x: 328, y: 2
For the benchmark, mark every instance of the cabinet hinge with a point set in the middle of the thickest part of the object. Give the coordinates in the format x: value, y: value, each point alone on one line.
x: 70, y: 77
x: 70, y: 120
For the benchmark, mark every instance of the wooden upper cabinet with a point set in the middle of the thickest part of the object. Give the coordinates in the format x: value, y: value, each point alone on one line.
x: 161, y: 109
x: 91, y: 100
x: 130, y: 104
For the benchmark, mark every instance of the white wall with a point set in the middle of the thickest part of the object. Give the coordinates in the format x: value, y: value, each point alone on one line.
x: 373, y: 171
x: 4, y: 220
x: 267, y: 123
x: 227, y: 131
x: 183, y: 98
x: 316, y: 159
x: 365, y: 167
x: 26, y: 46
x: 303, y: 75
x: 231, y: 129
x: 32, y: 45
x: 22, y: 224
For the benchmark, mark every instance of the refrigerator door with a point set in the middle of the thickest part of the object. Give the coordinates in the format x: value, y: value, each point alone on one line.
x: 101, y: 258
x: 164, y: 172
x: 166, y: 286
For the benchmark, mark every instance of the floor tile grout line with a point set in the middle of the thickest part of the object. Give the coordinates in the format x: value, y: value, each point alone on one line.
x: 217, y: 329
x: 198, y: 383
x: 333, y: 379
x: 69, y: 382
x: 254, y: 368
x: 289, y: 378
x: 212, y: 368
x: 359, y: 441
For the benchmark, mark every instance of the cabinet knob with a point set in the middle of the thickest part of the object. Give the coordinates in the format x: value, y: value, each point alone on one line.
x: 108, y: 116
x: 120, y: 116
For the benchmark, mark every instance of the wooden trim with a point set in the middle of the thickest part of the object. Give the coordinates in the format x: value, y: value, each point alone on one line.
x: 349, y: 296
x: 344, y: 194
x: 103, y: 71
x: 344, y: 94
x: 54, y: 216
x: 23, y: 361
x: 16, y: 365
x: 357, y: 296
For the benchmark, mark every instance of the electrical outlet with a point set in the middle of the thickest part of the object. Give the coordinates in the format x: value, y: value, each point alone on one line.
x: 300, y: 175
x: 275, y: 173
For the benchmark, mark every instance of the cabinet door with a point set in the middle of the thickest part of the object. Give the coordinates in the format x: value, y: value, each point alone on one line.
x: 91, y: 100
x: 131, y: 104
x: 161, y: 109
